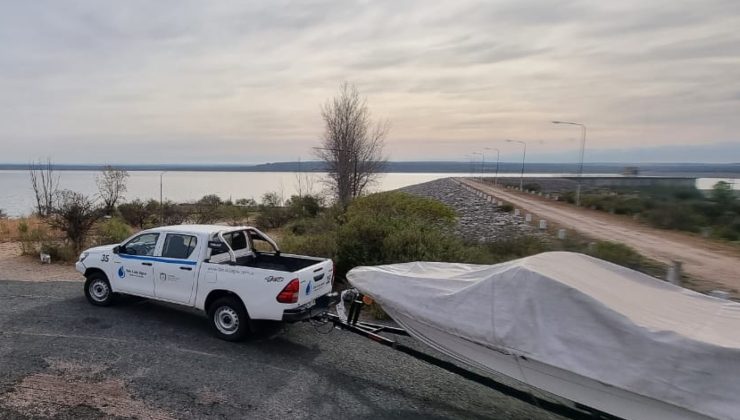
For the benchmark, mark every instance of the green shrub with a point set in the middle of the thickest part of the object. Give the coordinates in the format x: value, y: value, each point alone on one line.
x: 506, y: 207
x: 303, y: 206
x: 316, y: 244
x: 532, y: 186
x: 617, y: 253
x: 59, y: 251
x: 676, y: 216
x: 31, y: 238
x: 515, y: 247
x: 395, y: 227
x: 113, y: 231
x: 235, y: 215
x: 136, y: 213
x: 207, y: 209
x: 272, y: 214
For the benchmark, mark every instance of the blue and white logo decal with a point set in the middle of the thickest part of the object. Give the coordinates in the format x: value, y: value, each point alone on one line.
x: 308, y: 288
x: 121, y: 272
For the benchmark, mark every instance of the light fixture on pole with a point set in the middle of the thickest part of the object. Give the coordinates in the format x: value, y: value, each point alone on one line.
x: 498, y: 159
x: 583, y: 149
x: 524, y: 156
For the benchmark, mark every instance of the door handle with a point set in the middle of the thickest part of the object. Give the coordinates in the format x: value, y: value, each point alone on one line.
x: 186, y: 268
x: 146, y: 263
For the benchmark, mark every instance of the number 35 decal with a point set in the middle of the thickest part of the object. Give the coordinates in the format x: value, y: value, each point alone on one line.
x: 104, y: 258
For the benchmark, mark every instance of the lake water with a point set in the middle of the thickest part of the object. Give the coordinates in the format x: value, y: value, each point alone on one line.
x: 16, y: 195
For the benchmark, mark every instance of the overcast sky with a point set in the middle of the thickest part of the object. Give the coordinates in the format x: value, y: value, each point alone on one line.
x: 243, y: 81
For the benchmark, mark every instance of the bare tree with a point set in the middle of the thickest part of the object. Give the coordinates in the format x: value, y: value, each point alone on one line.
x: 45, y: 183
x: 74, y: 214
x: 111, y: 186
x: 304, y: 181
x: 352, y: 146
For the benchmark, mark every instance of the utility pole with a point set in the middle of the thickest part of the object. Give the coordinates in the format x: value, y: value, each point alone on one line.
x: 483, y: 163
x: 580, y: 165
x: 498, y: 159
x: 524, y: 157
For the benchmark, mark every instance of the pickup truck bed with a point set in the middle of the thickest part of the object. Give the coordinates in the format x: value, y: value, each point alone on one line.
x: 282, y: 262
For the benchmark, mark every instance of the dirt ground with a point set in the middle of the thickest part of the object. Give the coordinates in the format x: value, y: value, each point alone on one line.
x: 710, y: 264
x: 14, y: 266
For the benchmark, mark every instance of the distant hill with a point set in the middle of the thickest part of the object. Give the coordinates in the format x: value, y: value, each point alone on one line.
x: 648, y: 169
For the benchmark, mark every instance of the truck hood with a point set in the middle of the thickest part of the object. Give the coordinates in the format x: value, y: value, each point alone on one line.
x: 104, y: 248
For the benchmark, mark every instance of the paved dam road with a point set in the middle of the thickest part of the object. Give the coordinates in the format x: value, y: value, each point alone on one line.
x: 711, y: 264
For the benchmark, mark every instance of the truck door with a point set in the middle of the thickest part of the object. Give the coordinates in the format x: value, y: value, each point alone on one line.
x: 175, y: 268
x: 134, y: 265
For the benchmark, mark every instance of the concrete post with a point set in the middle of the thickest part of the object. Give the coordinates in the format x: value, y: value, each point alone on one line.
x: 517, y: 212
x: 528, y: 217
x: 500, y: 203
x: 561, y: 234
x: 543, y: 224
x: 673, y: 275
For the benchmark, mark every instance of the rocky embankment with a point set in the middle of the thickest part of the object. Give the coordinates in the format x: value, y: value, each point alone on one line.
x: 478, y: 220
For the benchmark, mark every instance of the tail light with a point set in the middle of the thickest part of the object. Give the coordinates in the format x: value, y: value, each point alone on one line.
x: 289, y: 294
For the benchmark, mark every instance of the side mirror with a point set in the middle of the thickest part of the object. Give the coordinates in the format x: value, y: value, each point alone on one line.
x: 117, y: 249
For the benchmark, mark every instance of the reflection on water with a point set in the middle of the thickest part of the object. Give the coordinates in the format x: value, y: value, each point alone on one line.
x: 16, y: 196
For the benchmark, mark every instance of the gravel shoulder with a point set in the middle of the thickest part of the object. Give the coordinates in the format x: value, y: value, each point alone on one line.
x: 14, y: 266
x: 63, y: 358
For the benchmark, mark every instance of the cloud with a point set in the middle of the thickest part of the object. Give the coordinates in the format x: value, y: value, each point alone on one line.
x: 99, y: 81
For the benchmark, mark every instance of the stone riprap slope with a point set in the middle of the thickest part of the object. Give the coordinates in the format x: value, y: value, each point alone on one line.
x: 477, y: 219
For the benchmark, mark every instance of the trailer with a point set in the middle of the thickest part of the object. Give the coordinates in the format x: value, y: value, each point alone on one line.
x: 349, y: 305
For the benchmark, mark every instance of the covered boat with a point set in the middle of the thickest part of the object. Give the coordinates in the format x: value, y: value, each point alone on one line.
x: 585, y: 329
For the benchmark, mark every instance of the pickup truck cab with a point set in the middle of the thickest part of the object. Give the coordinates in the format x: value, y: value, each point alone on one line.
x: 233, y: 274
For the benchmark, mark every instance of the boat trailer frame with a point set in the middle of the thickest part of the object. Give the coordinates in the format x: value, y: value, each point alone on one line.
x: 374, y: 331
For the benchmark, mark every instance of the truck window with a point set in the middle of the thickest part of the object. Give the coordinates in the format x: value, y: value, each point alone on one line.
x: 236, y: 240
x: 239, y: 244
x: 179, y: 246
x: 143, y: 244
x: 260, y: 244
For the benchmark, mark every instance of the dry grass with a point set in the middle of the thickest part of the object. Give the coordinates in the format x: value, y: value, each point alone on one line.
x: 9, y: 227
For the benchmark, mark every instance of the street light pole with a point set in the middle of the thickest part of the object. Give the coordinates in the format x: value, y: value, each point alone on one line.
x: 498, y: 159
x: 580, y: 165
x: 483, y: 162
x: 524, y: 156
x: 161, y: 201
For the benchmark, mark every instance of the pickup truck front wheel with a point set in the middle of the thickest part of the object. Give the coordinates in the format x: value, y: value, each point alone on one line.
x: 229, y: 319
x: 97, y: 290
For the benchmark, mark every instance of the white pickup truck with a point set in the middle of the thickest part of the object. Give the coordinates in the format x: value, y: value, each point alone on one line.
x: 233, y: 274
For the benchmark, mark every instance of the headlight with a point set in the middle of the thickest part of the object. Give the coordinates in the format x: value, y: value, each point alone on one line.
x: 83, y: 256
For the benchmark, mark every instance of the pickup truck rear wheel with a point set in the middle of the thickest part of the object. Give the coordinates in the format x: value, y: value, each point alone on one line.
x: 229, y: 319
x: 97, y: 290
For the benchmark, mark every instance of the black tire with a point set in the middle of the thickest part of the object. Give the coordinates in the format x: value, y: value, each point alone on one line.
x: 229, y: 319
x: 98, y: 291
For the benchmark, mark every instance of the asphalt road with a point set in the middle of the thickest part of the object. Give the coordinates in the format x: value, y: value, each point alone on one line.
x: 61, y: 357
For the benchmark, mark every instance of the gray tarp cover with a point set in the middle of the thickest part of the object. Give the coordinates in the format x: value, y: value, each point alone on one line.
x: 582, y: 314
